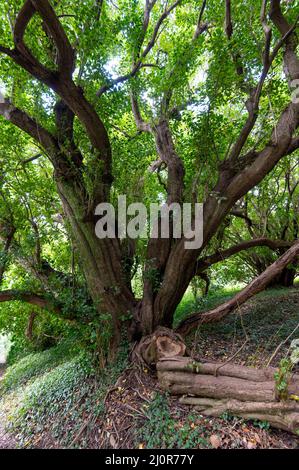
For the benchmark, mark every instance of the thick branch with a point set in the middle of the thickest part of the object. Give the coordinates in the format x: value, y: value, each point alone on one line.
x: 44, y: 138
x: 257, y: 285
x: 27, y: 124
x: 175, y: 167
x: 278, y: 18
x: 60, y: 81
x: 29, y: 328
x: 22, y: 20
x: 31, y: 298
x: 228, y: 19
x: 65, y: 59
x: 204, y: 263
x: 7, y: 240
x: 233, y: 183
x: 140, y: 123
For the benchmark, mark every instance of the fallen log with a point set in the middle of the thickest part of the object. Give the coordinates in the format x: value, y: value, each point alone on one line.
x: 215, y: 388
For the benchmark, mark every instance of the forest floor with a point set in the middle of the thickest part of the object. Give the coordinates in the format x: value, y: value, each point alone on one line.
x: 127, y: 409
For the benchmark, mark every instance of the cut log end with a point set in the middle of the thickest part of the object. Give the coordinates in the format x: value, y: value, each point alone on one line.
x: 169, y: 347
x: 162, y: 344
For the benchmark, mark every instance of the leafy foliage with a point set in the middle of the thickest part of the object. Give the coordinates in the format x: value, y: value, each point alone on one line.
x: 163, y: 431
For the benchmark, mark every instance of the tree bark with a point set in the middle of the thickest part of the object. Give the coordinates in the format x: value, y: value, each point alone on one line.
x: 29, y: 328
x: 31, y: 298
x: 284, y: 279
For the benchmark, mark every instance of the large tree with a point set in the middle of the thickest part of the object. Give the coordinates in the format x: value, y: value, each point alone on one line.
x: 203, y: 83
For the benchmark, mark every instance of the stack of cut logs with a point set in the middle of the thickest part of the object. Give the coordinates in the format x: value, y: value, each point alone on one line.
x: 215, y: 388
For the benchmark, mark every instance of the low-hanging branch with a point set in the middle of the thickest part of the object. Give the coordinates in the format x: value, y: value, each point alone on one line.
x: 257, y: 285
x: 35, y: 299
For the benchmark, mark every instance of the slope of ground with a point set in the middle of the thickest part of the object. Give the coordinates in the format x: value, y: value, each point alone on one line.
x: 55, y: 399
x: 257, y: 329
x: 7, y: 440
